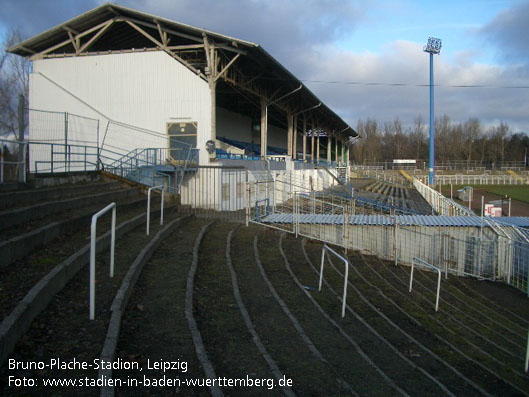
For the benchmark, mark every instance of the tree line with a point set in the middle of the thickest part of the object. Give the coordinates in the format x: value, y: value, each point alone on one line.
x: 467, y: 141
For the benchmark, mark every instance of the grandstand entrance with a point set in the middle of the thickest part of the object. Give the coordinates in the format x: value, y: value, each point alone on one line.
x: 182, y: 136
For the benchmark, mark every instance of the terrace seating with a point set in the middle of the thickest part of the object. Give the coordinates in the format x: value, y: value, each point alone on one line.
x: 194, y: 293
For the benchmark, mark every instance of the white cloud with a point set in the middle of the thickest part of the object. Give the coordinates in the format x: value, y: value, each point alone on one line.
x: 301, y: 34
x: 405, y: 62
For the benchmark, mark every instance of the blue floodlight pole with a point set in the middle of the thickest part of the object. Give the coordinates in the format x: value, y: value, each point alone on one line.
x: 432, y: 128
x: 433, y: 47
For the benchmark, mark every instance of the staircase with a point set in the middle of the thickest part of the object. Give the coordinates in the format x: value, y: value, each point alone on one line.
x: 342, y: 174
x: 155, y: 166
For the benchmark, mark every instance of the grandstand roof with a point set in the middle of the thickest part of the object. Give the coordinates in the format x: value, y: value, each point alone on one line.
x: 111, y: 28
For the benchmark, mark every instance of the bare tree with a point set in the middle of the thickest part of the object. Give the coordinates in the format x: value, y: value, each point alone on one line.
x: 14, y: 81
x: 418, y: 139
x: 471, y: 134
x: 498, y: 140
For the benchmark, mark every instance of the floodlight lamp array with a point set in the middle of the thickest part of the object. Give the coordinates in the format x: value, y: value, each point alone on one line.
x: 433, y: 46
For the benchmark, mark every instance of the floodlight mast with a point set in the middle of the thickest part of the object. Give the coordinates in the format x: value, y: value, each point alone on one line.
x: 433, y: 47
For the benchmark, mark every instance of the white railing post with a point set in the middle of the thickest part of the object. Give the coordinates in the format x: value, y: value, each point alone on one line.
x: 247, y: 187
x: 149, y: 206
x: 1, y: 165
x: 396, y: 241
x: 420, y: 261
x: 346, y: 277
x: 295, y: 214
x: 93, y: 252
x: 527, y: 354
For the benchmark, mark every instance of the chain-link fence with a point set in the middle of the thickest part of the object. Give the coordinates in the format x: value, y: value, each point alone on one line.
x: 474, y: 247
x: 321, y: 219
x: 463, y: 251
x: 62, y: 142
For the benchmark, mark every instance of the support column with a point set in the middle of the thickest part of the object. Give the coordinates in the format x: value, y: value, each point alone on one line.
x: 318, y: 148
x: 213, y: 91
x: 343, y: 152
x: 264, y: 128
x: 347, y: 157
x: 211, y: 73
x: 304, y: 139
x: 329, y: 143
x: 295, y: 144
x: 312, y: 143
x: 289, y: 134
x: 336, y: 158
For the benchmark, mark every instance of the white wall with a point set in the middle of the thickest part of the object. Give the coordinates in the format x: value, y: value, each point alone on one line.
x: 146, y: 89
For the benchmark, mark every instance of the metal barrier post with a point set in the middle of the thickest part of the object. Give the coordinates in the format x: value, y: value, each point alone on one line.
x: 247, y: 186
x: 346, y: 277
x: 527, y: 354
x: 420, y: 261
x: 93, y: 252
x: 295, y: 213
x: 395, y: 241
x: 149, y: 206
x: 24, y: 164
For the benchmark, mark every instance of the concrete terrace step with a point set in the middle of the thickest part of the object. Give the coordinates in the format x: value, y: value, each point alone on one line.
x: 282, y: 341
x: 381, y: 345
x: 20, y: 242
x: 72, y: 334
x: 455, y: 339
x: 10, y: 218
x: 217, y: 312
x: 23, y: 274
x: 31, y: 196
x: 160, y: 293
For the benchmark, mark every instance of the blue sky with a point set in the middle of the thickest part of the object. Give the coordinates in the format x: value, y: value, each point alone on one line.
x: 457, y: 23
x: 484, y: 43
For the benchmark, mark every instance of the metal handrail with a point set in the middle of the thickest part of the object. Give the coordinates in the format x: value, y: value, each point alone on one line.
x: 424, y: 263
x: 328, y: 249
x: 257, y: 213
x: 112, y: 207
x: 149, y: 206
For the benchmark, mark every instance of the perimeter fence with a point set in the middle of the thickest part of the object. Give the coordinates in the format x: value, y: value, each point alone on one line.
x: 461, y: 245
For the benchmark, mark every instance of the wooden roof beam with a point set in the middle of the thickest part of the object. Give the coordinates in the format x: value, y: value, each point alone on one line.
x: 164, y: 48
x: 66, y: 42
x: 96, y: 37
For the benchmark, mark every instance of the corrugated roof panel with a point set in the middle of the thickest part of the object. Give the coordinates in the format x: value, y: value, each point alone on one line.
x: 402, y: 220
x: 513, y: 221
